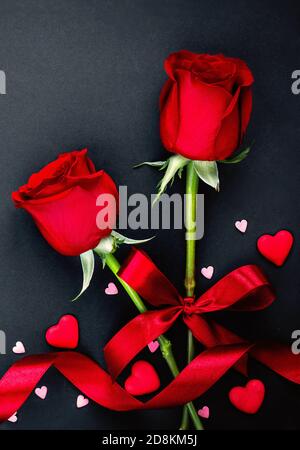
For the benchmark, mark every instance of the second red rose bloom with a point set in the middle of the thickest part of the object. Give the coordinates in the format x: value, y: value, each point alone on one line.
x: 205, y: 105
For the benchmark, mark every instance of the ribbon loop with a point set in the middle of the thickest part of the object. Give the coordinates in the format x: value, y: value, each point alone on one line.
x: 244, y: 289
x: 150, y: 283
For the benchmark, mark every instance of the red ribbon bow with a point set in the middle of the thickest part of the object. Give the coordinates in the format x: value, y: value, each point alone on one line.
x: 244, y: 289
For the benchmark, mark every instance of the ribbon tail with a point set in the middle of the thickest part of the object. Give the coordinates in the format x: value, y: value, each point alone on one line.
x: 201, y: 374
x: 135, y: 335
x: 211, y: 334
x: 279, y: 358
x: 19, y: 380
x: 22, y: 377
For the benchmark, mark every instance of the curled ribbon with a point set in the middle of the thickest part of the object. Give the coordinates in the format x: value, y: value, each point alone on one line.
x: 86, y: 375
x: 245, y: 289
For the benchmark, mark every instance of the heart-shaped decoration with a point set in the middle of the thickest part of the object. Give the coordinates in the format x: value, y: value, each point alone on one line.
x: 41, y: 392
x: 19, y: 348
x: 13, y: 418
x: 249, y: 398
x: 276, y: 248
x: 241, y: 225
x: 153, y: 346
x: 204, y: 412
x: 81, y: 401
x: 207, y: 272
x: 65, y: 333
x: 111, y: 289
x: 143, y: 379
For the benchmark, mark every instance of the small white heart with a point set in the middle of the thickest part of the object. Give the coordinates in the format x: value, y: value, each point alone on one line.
x: 204, y: 412
x: 207, y: 272
x: 13, y: 418
x: 41, y: 392
x: 19, y: 347
x: 81, y: 401
x: 111, y: 289
x: 241, y: 225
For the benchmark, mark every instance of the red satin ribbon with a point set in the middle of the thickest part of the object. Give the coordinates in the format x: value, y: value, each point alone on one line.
x: 87, y: 376
x: 244, y: 289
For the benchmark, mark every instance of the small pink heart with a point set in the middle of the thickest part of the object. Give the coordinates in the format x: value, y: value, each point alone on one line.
x: 13, y: 418
x: 207, y: 272
x: 241, y: 225
x: 81, y: 401
x: 41, y: 392
x: 111, y: 289
x: 204, y: 412
x: 19, y: 347
x: 153, y: 346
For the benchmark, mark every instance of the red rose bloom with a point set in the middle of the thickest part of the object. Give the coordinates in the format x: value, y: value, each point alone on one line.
x: 61, y: 198
x: 205, y: 105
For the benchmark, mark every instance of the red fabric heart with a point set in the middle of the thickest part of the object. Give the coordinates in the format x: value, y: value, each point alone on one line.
x: 249, y: 398
x: 276, y: 248
x: 143, y: 379
x: 64, y: 334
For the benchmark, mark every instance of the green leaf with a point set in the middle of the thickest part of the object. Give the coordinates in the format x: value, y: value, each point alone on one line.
x: 121, y: 239
x: 207, y: 171
x: 88, y: 264
x: 237, y: 158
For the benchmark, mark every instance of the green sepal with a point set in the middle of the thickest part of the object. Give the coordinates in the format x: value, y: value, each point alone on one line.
x: 160, y: 164
x: 237, y: 158
x: 88, y: 265
x: 207, y: 171
x: 106, y: 246
x: 173, y: 165
x: 110, y: 244
x: 121, y: 239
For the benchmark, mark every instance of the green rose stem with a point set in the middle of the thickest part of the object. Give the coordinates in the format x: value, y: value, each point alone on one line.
x: 165, y: 344
x: 192, y: 183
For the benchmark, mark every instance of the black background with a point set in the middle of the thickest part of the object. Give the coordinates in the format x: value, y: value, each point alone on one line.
x: 88, y: 74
